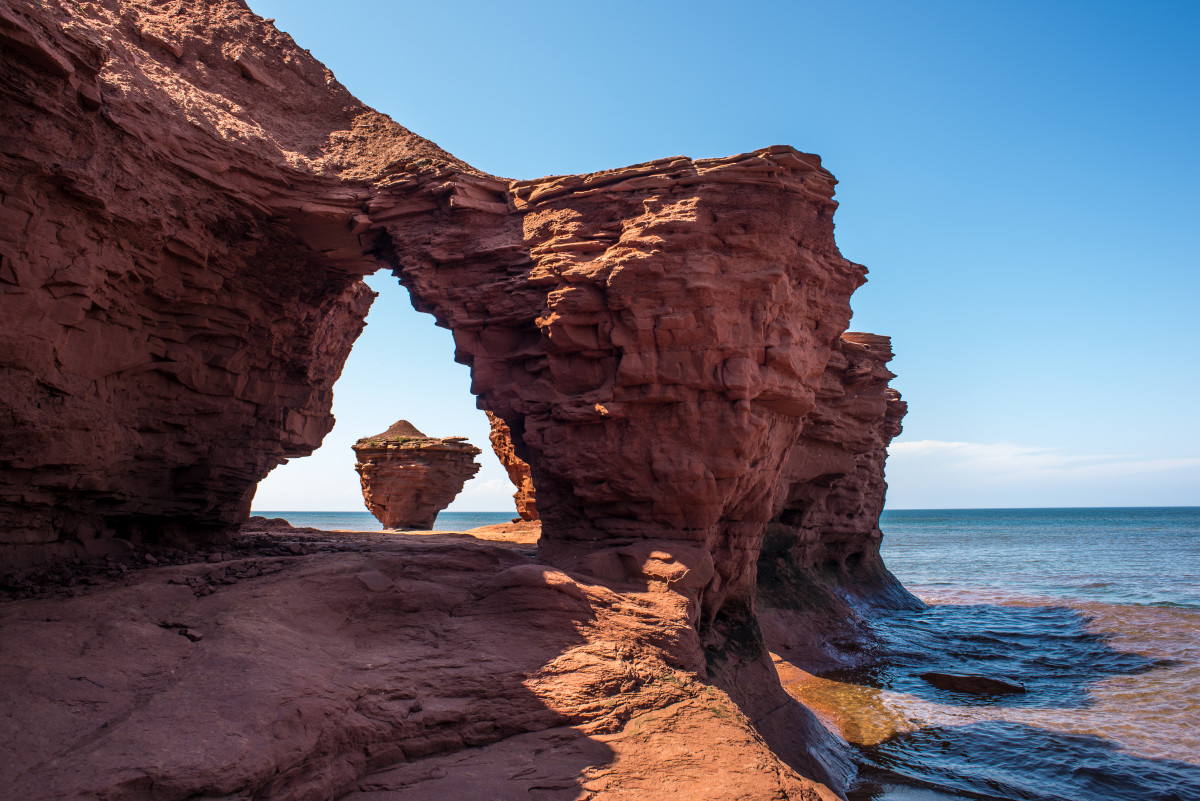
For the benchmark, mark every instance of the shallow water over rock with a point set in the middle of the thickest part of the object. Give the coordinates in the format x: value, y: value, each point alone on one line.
x: 1110, y: 710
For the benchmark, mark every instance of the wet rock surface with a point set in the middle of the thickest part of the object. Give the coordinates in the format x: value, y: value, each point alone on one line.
x: 972, y: 683
x: 408, y: 478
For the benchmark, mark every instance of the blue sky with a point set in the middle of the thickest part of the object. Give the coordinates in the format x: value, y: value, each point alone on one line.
x: 1022, y: 180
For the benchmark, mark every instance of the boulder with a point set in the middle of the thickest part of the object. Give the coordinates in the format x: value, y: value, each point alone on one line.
x: 408, y: 478
x: 972, y: 684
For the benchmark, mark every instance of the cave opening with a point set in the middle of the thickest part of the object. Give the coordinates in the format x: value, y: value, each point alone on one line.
x: 401, y: 367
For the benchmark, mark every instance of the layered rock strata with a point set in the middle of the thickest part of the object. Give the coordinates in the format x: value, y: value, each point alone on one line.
x: 189, y: 204
x: 408, y: 478
x: 652, y: 336
x: 181, y: 243
x: 518, y: 471
x: 655, y: 337
x: 375, y: 667
x: 819, y: 569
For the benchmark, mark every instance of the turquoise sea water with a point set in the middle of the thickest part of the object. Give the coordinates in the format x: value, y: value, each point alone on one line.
x: 1095, y: 611
x: 1141, y: 556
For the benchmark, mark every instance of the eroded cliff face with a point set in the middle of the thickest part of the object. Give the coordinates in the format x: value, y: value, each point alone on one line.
x: 655, y: 337
x: 190, y: 202
x: 221, y: 204
x: 819, y: 569
x: 179, y: 263
x: 408, y: 478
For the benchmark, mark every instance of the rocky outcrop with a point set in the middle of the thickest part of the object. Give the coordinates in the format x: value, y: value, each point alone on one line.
x: 375, y: 667
x: 190, y: 202
x: 655, y: 338
x: 820, y: 569
x: 408, y: 478
x: 518, y: 471
x: 181, y: 243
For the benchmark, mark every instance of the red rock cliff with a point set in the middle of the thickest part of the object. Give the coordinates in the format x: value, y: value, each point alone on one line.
x: 180, y: 256
x: 189, y: 203
x: 820, y: 569
x: 655, y: 337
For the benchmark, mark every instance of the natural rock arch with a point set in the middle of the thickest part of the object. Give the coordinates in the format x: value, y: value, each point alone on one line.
x: 189, y: 206
x: 184, y: 286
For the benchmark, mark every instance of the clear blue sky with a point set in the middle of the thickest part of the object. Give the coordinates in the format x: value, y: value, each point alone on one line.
x: 1022, y: 179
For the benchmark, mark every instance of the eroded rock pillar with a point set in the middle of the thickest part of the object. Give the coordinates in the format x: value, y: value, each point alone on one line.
x: 518, y: 471
x: 408, y: 478
x: 654, y: 338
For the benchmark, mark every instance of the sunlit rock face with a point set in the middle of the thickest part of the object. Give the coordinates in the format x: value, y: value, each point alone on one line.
x: 518, y: 471
x: 184, y: 271
x: 188, y: 204
x: 655, y: 338
x: 408, y: 478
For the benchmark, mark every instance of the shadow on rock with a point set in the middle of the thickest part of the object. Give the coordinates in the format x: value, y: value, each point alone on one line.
x: 296, y: 682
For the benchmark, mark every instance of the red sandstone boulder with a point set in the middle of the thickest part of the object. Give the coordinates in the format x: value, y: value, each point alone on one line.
x: 407, y: 477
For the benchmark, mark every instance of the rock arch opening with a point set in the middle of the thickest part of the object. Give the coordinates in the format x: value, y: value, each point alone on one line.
x: 401, y: 366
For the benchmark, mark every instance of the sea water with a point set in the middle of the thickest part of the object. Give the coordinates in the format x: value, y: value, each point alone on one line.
x: 365, y: 521
x: 1095, y: 611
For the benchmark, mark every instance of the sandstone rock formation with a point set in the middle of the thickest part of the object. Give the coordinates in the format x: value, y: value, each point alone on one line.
x: 189, y: 202
x: 179, y: 261
x: 819, y: 567
x: 407, y: 477
x: 652, y: 336
x: 518, y: 471
x: 376, y: 667
x: 654, y: 340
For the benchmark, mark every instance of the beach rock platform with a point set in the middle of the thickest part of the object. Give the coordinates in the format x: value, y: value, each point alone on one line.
x: 299, y: 664
x: 407, y: 477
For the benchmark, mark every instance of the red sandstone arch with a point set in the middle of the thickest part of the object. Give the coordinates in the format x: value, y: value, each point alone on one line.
x: 187, y: 214
x: 182, y: 288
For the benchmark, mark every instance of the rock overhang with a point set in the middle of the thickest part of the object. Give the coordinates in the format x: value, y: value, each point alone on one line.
x: 190, y: 203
